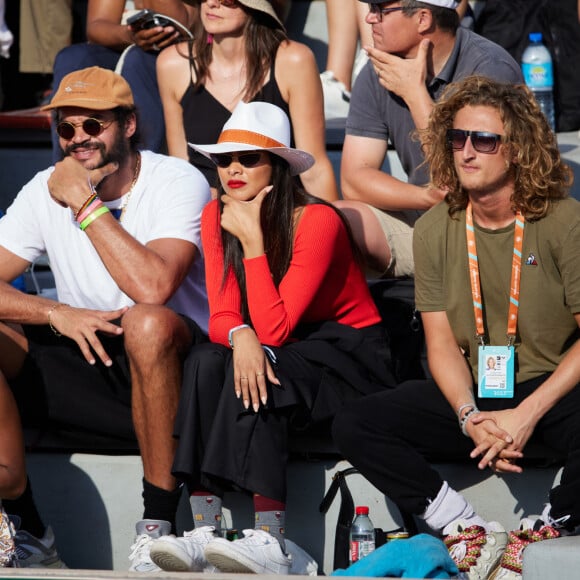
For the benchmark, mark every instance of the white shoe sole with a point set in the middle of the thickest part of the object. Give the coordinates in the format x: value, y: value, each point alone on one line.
x: 227, y: 561
x: 171, y: 559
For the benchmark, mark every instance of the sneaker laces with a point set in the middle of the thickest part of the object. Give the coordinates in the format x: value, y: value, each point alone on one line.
x: 139, y: 550
x: 550, y: 521
x: 465, y: 547
x: 512, y: 558
x: 254, y: 537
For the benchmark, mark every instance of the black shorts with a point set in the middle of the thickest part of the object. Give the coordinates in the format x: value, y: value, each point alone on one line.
x: 59, y: 390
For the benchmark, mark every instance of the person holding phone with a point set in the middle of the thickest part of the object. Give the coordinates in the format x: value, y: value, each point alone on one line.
x: 108, y: 36
x: 241, y: 52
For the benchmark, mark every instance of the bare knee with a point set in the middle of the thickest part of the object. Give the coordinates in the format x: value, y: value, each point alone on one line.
x: 148, y: 328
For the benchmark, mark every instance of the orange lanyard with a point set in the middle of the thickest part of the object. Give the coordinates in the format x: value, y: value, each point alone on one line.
x: 515, y: 278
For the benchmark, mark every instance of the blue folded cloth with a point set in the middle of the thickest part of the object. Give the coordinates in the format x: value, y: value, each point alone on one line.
x: 421, y: 556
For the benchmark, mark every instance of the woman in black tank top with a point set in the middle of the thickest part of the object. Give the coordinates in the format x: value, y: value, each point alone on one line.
x: 242, y: 53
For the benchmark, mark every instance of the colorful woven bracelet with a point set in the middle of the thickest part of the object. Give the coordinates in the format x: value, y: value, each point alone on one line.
x: 93, y: 206
x: 86, y: 204
x: 93, y: 216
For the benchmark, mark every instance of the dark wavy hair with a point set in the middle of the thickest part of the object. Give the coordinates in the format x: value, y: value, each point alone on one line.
x: 263, y: 36
x: 540, y: 175
x: 278, y: 226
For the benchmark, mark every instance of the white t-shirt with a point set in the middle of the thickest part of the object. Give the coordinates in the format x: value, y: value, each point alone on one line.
x: 166, y: 202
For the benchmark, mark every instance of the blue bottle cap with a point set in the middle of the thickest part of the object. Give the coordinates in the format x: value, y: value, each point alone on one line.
x: 535, y: 36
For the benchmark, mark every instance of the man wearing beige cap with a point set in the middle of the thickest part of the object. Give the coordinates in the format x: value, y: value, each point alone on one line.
x: 121, y: 228
x: 418, y: 50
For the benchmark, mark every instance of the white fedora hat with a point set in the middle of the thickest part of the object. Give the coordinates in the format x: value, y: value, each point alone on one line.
x: 255, y: 126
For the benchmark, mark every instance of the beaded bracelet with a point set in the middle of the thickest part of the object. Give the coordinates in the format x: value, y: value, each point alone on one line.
x: 53, y: 308
x: 463, y: 421
x: 93, y: 216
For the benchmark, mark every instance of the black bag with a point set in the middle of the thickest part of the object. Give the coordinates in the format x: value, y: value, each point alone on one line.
x: 346, y: 516
x: 395, y: 300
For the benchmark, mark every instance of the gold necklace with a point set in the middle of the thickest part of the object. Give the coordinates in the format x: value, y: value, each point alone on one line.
x: 128, y: 194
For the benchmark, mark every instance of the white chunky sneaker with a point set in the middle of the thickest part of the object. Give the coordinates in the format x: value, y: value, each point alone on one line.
x: 336, y: 97
x: 147, y: 531
x: 257, y: 552
x: 185, y: 554
x: 476, y: 552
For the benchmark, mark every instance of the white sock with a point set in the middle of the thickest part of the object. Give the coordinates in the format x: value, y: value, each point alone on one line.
x: 448, y: 507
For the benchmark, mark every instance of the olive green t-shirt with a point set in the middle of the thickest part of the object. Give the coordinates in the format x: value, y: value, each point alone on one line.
x: 549, y: 289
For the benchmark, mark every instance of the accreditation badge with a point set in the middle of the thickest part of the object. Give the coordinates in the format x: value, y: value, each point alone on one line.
x: 496, y: 372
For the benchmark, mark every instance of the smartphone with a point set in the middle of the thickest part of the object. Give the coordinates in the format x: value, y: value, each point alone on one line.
x: 145, y: 19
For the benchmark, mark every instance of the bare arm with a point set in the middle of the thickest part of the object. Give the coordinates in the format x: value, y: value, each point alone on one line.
x: 299, y: 81
x: 104, y: 24
x: 176, y: 9
x: 363, y: 180
x: 172, y: 78
x: 79, y: 324
x: 148, y: 273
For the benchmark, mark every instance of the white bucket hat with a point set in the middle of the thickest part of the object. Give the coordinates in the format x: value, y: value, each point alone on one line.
x: 256, y: 126
x: 442, y: 3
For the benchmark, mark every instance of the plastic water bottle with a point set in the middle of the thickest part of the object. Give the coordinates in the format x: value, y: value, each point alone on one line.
x: 539, y: 75
x: 362, y: 535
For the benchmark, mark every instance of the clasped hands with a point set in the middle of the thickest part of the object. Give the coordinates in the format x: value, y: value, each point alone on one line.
x: 495, y: 446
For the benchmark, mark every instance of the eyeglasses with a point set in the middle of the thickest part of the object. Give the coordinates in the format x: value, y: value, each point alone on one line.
x: 224, y: 160
x: 379, y: 12
x: 482, y: 141
x: 92, y: 127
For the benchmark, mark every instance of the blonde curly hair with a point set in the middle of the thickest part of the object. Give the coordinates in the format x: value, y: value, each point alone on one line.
x: 540, y: 175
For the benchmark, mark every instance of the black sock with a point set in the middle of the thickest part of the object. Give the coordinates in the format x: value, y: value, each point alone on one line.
x: 25, y: 508
x: 160, y: 504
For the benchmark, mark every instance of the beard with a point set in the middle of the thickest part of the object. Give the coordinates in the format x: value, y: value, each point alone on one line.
x: 118, y: 152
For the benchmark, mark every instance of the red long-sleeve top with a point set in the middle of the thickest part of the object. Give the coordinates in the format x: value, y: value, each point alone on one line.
x: 323, y: 281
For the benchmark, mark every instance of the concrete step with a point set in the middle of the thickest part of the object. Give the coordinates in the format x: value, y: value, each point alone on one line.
x: 93, y: 501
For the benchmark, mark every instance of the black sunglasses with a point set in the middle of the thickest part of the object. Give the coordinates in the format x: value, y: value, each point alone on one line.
x: 482, y: 141
x: 92, y: 127
x: 224, y: 160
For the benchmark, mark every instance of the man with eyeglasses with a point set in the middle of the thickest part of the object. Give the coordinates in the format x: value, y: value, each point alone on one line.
x: 501, y: 250
x: 121, y: 228
x: 419, y: 48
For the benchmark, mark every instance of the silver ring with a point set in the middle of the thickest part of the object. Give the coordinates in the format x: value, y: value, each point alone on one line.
x: 155, y: 47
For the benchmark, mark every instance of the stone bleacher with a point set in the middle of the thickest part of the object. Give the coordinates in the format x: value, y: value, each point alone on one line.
x: 92, y: 498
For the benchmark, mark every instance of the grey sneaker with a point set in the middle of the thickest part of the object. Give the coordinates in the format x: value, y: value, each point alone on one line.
x: 302, y: 564
x: 476, y: 552
x: 147, y: 531
x: 32, y: 552
x: 257, y: 552
x: 185, y: 554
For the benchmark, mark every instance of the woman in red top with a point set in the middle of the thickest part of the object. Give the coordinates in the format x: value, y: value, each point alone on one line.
x: 294, y: 333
